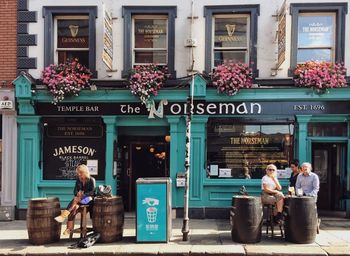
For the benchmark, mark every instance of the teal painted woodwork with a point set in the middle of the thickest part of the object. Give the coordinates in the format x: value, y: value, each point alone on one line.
x: 200, y: 86
x: 204, y: 192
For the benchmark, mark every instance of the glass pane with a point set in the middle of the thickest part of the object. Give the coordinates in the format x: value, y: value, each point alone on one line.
x: 315, y: 31
x: 158, y: 57
x: 244, y: 150
x: 233, y: 56
x: 231, y: 32
x: 327, y: 129
x: 82, y: 56
x: 73, y: 33
x: 150, y: 33
x: 314, y: 54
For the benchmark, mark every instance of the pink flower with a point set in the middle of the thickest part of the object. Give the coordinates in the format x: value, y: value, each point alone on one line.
x: 146, y: 80
x: 66, y: 79
x: 230, y: 77
x: 321, y: 75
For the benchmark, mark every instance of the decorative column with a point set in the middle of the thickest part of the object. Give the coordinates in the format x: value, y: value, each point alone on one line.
x: 303, y: 148
x: 29, y: 165
x: 111, y: 136
x: 347, y: 199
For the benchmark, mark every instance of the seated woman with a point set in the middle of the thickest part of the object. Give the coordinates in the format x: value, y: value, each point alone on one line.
x: 270, y: 192
x: 84, y: 192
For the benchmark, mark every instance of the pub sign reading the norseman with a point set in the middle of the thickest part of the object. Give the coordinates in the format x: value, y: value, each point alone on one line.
x: 69, y: 142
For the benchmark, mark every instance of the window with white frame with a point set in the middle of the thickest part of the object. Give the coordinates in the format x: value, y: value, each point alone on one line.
x: 316, y: 37
x: 231, y: 38
x: 150, y: 39
x: 72, y: 39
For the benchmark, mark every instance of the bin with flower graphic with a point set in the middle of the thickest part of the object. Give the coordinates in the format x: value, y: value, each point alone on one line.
x: 153, y: 209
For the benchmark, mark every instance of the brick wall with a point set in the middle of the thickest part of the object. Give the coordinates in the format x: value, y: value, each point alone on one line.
x: 8, y: 42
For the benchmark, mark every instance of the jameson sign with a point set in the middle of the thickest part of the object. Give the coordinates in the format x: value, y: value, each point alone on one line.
x: 164, y: 107
x: 66, y: 145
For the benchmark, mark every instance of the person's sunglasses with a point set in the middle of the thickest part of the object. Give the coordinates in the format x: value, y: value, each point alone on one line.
x: 271, y: 170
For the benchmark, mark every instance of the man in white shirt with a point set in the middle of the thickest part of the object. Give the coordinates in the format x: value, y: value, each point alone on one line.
x: 308, y: 181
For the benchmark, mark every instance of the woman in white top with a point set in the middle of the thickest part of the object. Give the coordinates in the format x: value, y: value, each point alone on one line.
x: 271, y: 193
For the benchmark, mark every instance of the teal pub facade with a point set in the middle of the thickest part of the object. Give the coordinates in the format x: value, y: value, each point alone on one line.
x: 233, y: 138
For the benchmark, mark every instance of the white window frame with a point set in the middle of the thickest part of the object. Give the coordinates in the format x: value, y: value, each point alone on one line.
x: 70, y: 17
x: 149, y: 17
x: 236, y: 49
x: 332, y: 48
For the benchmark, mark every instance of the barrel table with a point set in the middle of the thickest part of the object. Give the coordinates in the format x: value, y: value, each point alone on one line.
x: 41, y: 225
x: 301, y: 219
x: 108, y: 218
x: 246, y: 219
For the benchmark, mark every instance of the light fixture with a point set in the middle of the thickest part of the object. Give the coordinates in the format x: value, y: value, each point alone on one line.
x: 167, y: 138
x: 138, y: 148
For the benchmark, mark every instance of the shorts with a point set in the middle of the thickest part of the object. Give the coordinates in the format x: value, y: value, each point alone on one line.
x: 267, y: 198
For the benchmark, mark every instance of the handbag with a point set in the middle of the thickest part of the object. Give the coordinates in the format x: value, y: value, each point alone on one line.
x: 104, y: 191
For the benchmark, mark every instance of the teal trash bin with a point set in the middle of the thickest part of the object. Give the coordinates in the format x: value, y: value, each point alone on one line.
x: 153, y: 210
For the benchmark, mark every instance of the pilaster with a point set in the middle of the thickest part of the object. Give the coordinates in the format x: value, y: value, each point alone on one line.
x: 111, y: 136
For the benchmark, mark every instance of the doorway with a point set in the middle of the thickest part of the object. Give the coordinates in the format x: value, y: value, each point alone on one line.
x: 142, y: 157
x: 329, y: 162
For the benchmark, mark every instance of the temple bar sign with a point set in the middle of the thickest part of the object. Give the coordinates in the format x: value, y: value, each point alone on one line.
x: 163, y: 108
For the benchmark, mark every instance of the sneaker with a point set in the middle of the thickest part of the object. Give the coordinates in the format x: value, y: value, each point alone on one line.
x: 59, y: 219
x: 67, y: 232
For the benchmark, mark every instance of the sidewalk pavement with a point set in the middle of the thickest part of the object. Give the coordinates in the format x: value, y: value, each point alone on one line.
x: 207, y: 237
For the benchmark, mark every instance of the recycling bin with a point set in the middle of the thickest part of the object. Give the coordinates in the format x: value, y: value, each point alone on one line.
x: 153, y: 210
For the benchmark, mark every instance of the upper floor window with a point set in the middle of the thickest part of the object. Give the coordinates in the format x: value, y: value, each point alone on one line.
x: 149, y: 37
x: 318, y: 32
x: 72, y: 39
x: 231, y: 39
x: 316, y: 37
x: 150, y: 40
x: 70, y: 32
x: 231, y: 35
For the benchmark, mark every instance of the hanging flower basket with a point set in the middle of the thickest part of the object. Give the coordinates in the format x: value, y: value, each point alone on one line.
x: 146, y: 80
x: 229, y: 78
x: 320, y: 75
x: 66, y: 79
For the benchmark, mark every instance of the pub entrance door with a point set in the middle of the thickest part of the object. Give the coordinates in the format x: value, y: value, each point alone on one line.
x: 329, y: 162
x: 142, y: 157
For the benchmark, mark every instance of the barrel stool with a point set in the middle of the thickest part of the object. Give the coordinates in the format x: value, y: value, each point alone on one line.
x: 268, y: 220
x: 83, y: 229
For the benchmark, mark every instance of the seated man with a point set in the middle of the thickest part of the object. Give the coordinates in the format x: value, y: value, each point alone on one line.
x: 308, y: 181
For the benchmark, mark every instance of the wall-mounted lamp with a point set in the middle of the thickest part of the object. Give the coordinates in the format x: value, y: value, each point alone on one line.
x: 167, y: 138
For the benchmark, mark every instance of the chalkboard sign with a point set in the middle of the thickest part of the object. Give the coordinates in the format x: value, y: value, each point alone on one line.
x: 68, y: 142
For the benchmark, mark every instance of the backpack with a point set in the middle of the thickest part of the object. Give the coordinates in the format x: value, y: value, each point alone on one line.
x: 86, y: 242
x: 104, y: 191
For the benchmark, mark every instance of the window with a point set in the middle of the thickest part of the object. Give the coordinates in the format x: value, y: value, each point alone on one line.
x: 327, y: 129
x: 231, y: 38
x: 150, y: 40
x: 70, y: 32
x: 231, y: 35
x: 72, y: 39
x: 318, y: 32
x: 243, y: 150
x: 149, y: 36
x: 316, y: 37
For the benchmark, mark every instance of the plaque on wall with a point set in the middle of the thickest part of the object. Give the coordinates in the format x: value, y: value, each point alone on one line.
x: 68, y: 143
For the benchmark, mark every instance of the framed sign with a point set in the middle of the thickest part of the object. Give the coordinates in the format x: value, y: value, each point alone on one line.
x: 68, y: 142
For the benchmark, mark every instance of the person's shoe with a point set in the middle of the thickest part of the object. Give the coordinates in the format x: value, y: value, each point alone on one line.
x: 278, y: 218
x: 66, y: 232
x: 62, y: 217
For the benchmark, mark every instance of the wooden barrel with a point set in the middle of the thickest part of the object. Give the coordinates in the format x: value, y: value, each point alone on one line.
x: 108, y: 218
x: 301, y: 220
x: 41, y: 225
x: 246, y: 219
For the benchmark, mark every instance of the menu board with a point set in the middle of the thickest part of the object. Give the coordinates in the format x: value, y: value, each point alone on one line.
x: 246, y: 154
